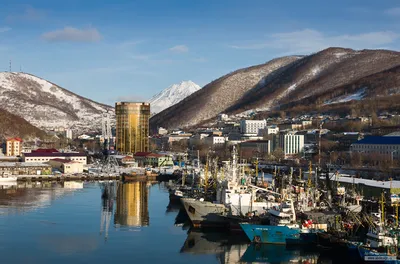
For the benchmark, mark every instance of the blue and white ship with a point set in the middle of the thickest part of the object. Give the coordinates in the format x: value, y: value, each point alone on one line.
x: 283, y: 226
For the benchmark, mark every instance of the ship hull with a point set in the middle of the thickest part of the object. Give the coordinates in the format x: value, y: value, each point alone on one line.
x: 205, y: 214
x: 267, y: 234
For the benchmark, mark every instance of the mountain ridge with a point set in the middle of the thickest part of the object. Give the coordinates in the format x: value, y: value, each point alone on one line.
x: 47, y: 105
x: 312, y: 79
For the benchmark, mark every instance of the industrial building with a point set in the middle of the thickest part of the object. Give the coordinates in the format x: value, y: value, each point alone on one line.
x: 382, y: 145
x: 66, y: 166
x: 132, y: 133
x: 255, y: 148
x: 24, y: 168
x: 45, y: 155
x: 153, y: 159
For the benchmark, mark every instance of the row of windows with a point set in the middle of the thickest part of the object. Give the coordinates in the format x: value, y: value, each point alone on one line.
x: 377, y: 147
x: 47, y: 159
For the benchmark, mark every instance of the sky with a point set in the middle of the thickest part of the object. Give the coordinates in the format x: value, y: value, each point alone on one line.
x: 130, y: 50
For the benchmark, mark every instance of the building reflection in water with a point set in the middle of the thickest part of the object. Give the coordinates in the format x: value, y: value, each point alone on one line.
x: 108, y: 190
x: 132, y: 204
x: 24, y: 196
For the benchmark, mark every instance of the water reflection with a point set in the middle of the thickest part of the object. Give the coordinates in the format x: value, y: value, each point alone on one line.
x: 132, y: 204
x: 236, y: 249
x: 21, y: 197
x: 107, y: 199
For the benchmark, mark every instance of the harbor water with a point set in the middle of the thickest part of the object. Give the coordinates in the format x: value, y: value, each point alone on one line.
x: 111, y: 222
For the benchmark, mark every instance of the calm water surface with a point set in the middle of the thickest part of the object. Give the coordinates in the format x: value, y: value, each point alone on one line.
x: 112, y: 223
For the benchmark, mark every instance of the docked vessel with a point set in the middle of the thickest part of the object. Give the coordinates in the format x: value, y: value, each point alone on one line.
x: 234, y: 197
x: 283, y: 227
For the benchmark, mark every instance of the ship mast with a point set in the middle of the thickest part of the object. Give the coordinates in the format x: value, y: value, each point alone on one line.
x: 234, y: 164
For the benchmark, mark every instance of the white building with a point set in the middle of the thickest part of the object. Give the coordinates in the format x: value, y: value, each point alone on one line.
x: 215, y: 140
x: 252, y: 127
x: 270, y: 130
x: 68, y: 133
x: 291, y: 143
x: 223, y: 117
x: 47, y: 155
x: 162, y: 131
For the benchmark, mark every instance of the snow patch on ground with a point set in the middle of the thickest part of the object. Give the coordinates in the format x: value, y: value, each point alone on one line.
x: 340, y: 54
x: 315, y: 70
x: 359, y: 95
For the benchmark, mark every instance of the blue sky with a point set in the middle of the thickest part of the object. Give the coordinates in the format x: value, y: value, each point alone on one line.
x: 130, y: 50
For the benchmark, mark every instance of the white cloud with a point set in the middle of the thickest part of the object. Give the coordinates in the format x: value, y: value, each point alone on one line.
x: 395, y: 11
x: 4, y: 29
x: 179, y: 49
x: 73, y: 35
x: 309, y: 40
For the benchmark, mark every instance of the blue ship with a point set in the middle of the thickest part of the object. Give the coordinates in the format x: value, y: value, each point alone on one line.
x: 365, y: 252
x: 268, y: 234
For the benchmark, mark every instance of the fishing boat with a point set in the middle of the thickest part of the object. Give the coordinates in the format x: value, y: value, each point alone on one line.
x: 234, y: 197
x: 283, y: 227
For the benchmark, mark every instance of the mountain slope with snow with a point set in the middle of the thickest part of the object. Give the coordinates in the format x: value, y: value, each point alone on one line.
x: 172, y: 95
x: 332, y: 79
x: 46, y: 105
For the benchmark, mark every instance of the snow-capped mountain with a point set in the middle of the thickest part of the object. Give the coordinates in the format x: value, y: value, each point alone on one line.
x: 332, y: 80
x: 172, y: 95
x: 46, y: 105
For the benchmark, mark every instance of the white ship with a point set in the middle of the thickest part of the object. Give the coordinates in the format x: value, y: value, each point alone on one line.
x: 235, y: 197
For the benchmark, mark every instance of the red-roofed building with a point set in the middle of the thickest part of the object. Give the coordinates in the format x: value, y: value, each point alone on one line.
x: 14, y: 146
x: 44, y: 156
x: 45, y: 151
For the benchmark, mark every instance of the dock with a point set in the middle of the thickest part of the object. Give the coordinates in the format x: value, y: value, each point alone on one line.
x: 83, y: 177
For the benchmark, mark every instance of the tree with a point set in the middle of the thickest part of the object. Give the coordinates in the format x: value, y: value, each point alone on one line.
x: 278, y: 154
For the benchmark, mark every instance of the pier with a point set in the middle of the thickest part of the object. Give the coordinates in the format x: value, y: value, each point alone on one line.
x: 82, y: 177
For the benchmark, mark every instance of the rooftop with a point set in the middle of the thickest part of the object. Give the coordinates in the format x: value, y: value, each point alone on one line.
x: 45, y: 150
x: 23, y: 164
x: 15, y: 139
x: 63, y: 160
x: 141, y: 154
x: 380, y: 140
x: 55, y: 154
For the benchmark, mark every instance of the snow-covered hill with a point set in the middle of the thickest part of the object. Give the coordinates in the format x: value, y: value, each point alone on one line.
x: 47, y: 105
x: 334, y: 77
x: 172, y: 95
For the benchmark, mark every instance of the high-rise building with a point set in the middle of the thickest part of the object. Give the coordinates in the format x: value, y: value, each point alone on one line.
x: 132, y: 127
